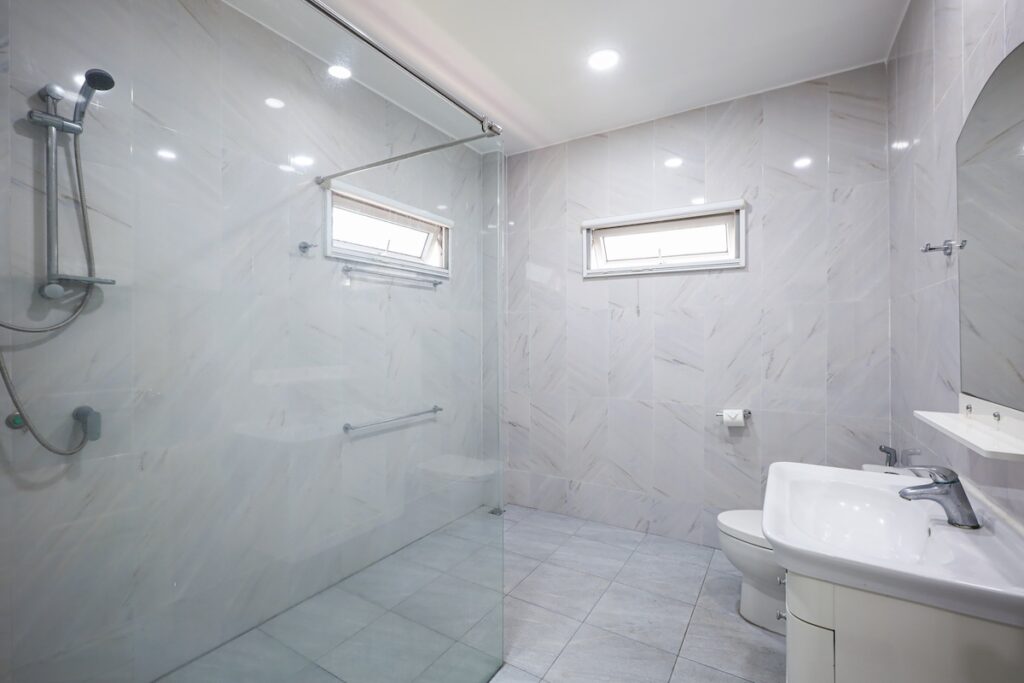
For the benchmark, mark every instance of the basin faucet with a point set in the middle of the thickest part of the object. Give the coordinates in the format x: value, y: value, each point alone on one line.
x: 946, y: 490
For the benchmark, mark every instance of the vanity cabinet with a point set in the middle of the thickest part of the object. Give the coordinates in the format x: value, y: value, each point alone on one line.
x: 836, y: 634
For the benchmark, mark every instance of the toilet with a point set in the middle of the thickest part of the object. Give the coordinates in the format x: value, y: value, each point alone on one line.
x: 763, y: 593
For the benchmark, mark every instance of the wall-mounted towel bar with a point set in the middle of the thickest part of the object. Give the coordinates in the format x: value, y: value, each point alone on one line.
x: 347, y: 269
x: 348, y: 427
x: 946, y: 247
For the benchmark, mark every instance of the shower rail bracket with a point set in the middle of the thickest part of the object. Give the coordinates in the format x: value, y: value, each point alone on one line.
x: 348, y: 427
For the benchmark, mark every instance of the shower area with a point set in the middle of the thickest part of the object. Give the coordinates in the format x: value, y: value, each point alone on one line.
x: 250, y: 427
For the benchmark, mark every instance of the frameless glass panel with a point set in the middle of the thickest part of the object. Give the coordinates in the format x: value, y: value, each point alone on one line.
x: 271, y: 494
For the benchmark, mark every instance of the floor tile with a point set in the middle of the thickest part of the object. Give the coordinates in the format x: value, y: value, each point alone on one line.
x: 517, y: 513
x: 449, y: 605
x: 720, y: 563
x: 318, y: 625
x: 680, y: 551
x: 591, y: 557
x: 612, y: 535
x: 561, y: 590
x: 596, y: 655
x: 389, y: 581
x: 313, y: 674
x: 489, y: 565
x: 651, y: 619
x: 390, y: 650
x: 253, y: 657
x: 510, y: 674
x: 664, y: 576
x: 534, y: 541
x: 461, y: 664
x: 534, y: 636
x: 439, y: 551
x: 692, y: 672
x: 479, y: 526
x: 720, y: 592
x: 555, y: 522
x: 724, y: 641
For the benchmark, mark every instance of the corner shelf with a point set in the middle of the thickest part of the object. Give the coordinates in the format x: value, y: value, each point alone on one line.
x: 975, y: 427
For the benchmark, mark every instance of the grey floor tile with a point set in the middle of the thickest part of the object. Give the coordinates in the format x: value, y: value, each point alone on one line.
x: 390, y: 650
x: 651, y: 619
x: 313, y: 674
x: 479, y: 526
x: 517, y: 513
x: 720, y: 563
x: 664, y: 575
x: 461, y: 664
x: 486, y: 634
x: 534, y: 541
x: 449, y: 605
x: 534, y: 636
x: 596, y: 655
x: 318, y: 625
x: 592, y: 557
x: 510, y: 674
x: 253, y: 657
x: 489, y: 567
x: 550, y: 520
x: 389, y: 581
x: 439, y: 551
x: 692, y: 672
x: 720, y: 592
x: 561, y: 590
x: 612, y: 535
x: 726, y: 642
x: 681, y: 551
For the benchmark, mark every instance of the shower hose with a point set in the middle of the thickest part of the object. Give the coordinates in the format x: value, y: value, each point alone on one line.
x: 79, y: 307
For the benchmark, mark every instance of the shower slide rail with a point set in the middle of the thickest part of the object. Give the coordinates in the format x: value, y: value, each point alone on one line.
x: 348, y: 427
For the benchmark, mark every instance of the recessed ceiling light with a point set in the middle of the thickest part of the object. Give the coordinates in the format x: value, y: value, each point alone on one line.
x: 168, y: 154
x: 673, y: 162
x: 900, y: 145
x: 697, y: 200
x: 274, y: 103
x: 339, y: 71
x: 302, y: 160
x: 602, y: 60
x: 442, y: 207
x: 802, y: 162
x: 286, y: 168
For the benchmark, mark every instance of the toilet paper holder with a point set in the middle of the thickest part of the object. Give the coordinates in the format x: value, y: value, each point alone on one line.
x: 746, y: 413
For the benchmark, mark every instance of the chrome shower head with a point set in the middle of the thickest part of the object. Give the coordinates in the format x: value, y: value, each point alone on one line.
x: 95, y: 80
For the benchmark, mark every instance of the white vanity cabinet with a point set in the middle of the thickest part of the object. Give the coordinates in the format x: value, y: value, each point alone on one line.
x: 836, y: 634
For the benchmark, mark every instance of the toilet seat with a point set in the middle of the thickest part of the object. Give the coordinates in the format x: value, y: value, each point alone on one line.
x: 744, y: 525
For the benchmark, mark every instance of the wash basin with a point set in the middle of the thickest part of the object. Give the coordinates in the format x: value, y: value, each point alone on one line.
x: 851, y: 528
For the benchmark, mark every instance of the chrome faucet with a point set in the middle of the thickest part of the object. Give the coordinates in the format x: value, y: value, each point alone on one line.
x: 897, y: 459
x: 946, y: 490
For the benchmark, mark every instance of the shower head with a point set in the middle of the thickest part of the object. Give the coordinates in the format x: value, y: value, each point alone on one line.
x: 95, y: 80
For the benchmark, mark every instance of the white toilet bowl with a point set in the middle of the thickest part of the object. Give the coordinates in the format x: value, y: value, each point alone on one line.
x: 762, y: 594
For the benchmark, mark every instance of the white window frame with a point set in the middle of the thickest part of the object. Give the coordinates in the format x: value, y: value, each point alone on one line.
x: 371, y: 257
x: 737, y: 208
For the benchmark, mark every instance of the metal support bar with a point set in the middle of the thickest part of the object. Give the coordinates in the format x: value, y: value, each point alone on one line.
x: 746, y: 413
x: 349, y: 428
x: 52, y: 260
x: 397, y: 276
x: 326, y: 179
x: 322, y: 7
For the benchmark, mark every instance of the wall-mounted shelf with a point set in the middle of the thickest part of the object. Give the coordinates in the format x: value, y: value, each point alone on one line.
x: 988, y: 429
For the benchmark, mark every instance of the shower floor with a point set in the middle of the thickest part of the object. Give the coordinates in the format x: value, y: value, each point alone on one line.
x: 583, y: 602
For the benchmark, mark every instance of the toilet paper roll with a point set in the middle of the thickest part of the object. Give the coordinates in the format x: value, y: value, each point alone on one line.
x: 733, y: 417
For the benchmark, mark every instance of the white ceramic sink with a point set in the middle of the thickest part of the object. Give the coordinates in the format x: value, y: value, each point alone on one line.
x: 851, y: 527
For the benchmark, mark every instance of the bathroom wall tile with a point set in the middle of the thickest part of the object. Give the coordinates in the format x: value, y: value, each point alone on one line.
x: 587, y: 436
x: 794, y: 356
x: 679, y: 356
x: 982, y: 61
x: 977, y: 20
x: 631, y: 340
x: 684, y: 137
x: 588, y: 353
x: 732, y: 468
x: 732, y: 342
x: 628, y: 456
x: 678, y: 451
x: 548, y: 372
x: 857, y: 127
x: 792, y: 437
x: 949, y: 44
x: 548, y: 425
x: 858, y: 359
x: 796, y: 138
x: 858, y: 242
x: 631, y: 169
x: 734, y: 153
x: 854, y: 441
x: 794, y: 251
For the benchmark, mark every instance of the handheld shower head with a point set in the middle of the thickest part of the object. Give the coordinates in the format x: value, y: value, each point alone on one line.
x: 95, y: 80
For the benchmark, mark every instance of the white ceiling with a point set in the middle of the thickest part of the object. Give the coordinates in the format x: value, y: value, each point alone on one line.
x: 523, y: 62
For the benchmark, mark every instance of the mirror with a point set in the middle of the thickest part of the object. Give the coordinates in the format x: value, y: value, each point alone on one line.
x: 990, y: 197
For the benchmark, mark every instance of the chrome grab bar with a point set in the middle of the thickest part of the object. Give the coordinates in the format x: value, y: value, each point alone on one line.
x: 395, y: 276
x: 349, y: 427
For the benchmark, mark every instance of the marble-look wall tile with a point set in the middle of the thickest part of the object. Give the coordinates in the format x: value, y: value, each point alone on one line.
x: 857, y: 127
x: 794, y: 355
x: 858, y: 242
x: 796, y: 144
x: 858, y: 359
